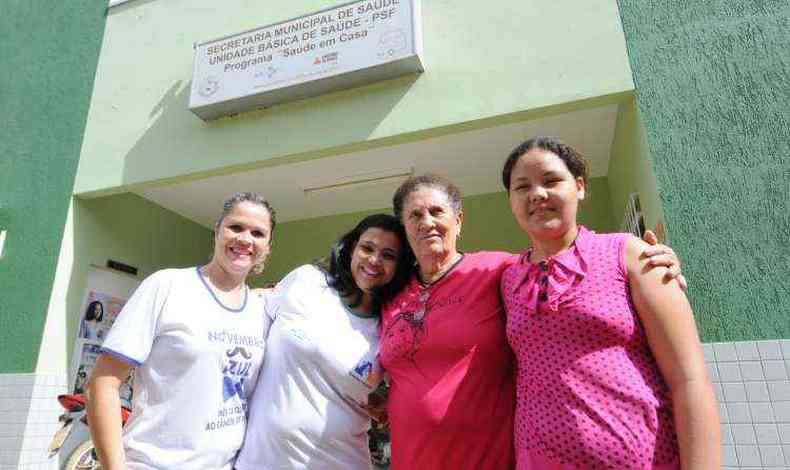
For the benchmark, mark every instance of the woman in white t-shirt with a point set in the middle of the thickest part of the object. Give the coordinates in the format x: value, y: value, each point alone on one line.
x: 196, y: 339
x: 310, y: 409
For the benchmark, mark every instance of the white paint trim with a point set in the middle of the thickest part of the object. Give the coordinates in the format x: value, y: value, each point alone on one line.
x: 53, y: 352
x: 117, y: 2
x: 3, y: 234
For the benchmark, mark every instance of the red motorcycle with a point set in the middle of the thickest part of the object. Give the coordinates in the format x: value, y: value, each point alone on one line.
x: 73, y: 439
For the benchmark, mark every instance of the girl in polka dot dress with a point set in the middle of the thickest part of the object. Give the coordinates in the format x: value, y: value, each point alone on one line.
x: 610, y: 368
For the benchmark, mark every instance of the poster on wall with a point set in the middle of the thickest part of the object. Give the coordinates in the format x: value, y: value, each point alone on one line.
x: 106, y: 295
x: 85, y: 355
x: 99, y: 315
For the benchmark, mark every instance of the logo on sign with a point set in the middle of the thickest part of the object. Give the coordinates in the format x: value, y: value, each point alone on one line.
x: 326, y: 58
x: 391, y: 43
x: 208, y: 86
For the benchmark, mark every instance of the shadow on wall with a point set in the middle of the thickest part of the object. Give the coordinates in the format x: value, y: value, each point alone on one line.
x: 177, y: 143
x: 135, y: 231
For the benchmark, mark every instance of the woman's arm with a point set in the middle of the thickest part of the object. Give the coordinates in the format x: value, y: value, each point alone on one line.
x: 104, y: 410
x: 672, y: 334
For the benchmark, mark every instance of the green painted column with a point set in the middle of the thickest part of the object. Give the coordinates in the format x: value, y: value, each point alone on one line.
x: 48, y: 56
x: 713, y: 88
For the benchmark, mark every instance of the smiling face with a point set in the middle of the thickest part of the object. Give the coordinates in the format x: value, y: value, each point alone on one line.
x: 432, y: 225
x: 243, y: 238
x: 374, y: 259
x: 544, y: 195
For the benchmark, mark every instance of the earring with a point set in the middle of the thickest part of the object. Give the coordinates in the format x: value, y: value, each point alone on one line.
x: 258, y: 268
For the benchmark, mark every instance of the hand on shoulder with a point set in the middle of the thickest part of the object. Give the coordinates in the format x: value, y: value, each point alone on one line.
x: 642, y: 266
x: 659, y: 254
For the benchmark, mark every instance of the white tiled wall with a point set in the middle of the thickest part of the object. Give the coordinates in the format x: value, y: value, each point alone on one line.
x: 28, y: 419
x: 752, y: 382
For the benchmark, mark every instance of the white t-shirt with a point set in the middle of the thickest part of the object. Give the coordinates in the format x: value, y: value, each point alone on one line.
x: 91, y: 330
x: 197, y: 365
x: 321, y: 364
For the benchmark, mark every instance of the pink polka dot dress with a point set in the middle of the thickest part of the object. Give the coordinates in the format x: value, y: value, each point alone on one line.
x: 589, y: 392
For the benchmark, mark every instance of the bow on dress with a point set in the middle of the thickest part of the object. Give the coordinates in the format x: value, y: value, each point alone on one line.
x: 543, y: 286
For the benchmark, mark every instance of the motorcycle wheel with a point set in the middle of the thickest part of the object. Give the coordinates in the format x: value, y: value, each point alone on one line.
x: 83, y: 458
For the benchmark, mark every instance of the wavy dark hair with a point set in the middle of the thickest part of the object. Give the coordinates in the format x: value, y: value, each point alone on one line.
x: 90, y: 312
x: 337, y: 265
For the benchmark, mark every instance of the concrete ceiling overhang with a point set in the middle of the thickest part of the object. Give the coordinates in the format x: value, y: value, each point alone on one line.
x: 366, y: 180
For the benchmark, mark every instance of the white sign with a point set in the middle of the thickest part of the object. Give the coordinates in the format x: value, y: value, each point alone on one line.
x: 337, y: 48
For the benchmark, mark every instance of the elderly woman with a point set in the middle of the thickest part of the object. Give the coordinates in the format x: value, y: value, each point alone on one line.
x: 443, y: 342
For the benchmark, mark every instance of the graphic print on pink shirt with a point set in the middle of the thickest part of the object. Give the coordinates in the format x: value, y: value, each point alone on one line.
x: 408, y: 328
x: 451, y: 370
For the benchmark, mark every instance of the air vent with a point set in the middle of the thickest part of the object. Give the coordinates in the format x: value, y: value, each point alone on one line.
x: 634, y: 219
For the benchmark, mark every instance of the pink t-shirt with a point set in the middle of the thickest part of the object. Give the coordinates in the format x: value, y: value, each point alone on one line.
x: 452, y: 393
x: 589, y: 392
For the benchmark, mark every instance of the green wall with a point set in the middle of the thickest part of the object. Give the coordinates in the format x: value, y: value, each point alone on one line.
x: 488, y: 225
x: 48, y: 56
x: 485, y: 64
x: 713, y: 88
x: 132, y: 230
x: 631, y: 169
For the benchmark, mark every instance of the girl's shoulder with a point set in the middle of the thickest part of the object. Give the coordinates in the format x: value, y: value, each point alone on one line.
x: 612, y: 242
x: 169, y: 277
x: 590, y: 236
x: 495, y: 259
x: 616, y: 246
x: 305, y: 276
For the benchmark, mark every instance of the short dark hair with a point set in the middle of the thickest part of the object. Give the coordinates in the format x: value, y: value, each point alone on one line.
x: 432, y: 181
x: 576, y: 163
x: 337, y: 265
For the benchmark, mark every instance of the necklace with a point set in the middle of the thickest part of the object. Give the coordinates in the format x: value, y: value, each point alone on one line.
x: 425, y: 288
x: 442, y: 273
